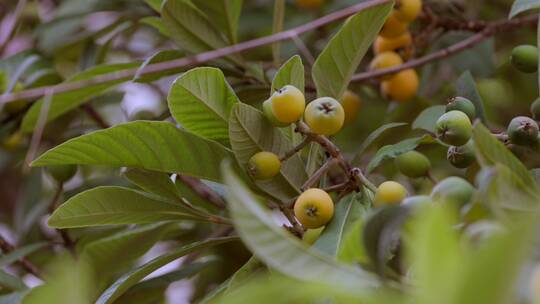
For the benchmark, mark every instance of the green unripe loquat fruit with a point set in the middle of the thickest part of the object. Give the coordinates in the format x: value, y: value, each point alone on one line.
x: 269, y: 113
x: 535, y: 109
x: 525, y: 58
x: 413, y: 164
x: 522, y: 131
x: 461, y: 157
x: 62, y: 173
x: 461, y: 104
x: 454, y: 128
x: 453, y: 190
x: 264, y: 165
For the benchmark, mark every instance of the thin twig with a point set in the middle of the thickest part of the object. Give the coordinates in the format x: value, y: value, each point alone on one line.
x: 196, y: 59
x: 68, y: 242
x: 6, y: 248
x: 202, y: 190
x: 10, y: 28
x: 296, y: 149
x: 357, y: 174
x: 338, y: 187
x: 38, y: 130
x: 297, y: 229
x: 488, y: 31
x: 313, y: 179
x: 95, y: 116
x: 304, y: 49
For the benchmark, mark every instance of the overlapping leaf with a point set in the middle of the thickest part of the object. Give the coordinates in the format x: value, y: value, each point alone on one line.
x: 151, y: 145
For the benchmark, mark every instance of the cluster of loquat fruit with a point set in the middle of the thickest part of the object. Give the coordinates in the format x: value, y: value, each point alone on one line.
x: 324, y: 116
x: 392, y: 47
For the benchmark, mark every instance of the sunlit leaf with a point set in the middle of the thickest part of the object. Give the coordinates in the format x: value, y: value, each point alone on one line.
x: 151, y: 145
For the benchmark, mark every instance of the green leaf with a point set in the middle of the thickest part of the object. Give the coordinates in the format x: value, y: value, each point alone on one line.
x: 11, y: 282
x: 434, y: 250
x: 158, y: 24
x: 250, y: 132
x: 521, y: 6
x: 154, y: 182
x: 274, y: 246
x: 112, y: 205
x: 352, y: 250
x: 381, y: 232
x: 391, y: 151
x: 372, y: 137
x: 153, y: 290
x: 428, y: 118
x: 190, y: 27
x: 291, y: 72
x: 131, y: 278
x: 20, y: 252
x: 491, y: 151
x: 154, y: 4
x: 466, y: 87
x: 160, y: 56
x: 502, y: 189
x: 333, y: 69
x: 111, y: 254
x: 12, y: 298
x: 225, y: 15
x: 64, y: 102
x: 201, y: 101
x: 151, y: 145
x: 490, y: 273
x: 348, y: 210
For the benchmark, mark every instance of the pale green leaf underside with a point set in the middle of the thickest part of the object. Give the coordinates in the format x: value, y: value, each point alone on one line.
x: 154, y: 182
x: 151, y: 145
x: 348, y: 211
x: 491, y: 151
x: 111, y: 254
x: 112, y: 205
x: 391, y: 151
x: 64, y: 102
x: 201, y: 101
x: 338, y: 61
x: 250, y: 132
x: 521, y: 6
x: 428, y: 118
x: 290, y: 73
x: 131, y: 278
x: 278, y: 249
x: 224, y: 14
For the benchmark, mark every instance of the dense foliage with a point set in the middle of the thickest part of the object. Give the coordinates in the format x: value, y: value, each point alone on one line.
x: 307, y: 151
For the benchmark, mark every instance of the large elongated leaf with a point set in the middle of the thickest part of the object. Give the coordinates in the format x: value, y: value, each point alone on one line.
x: 372, y: 137
x: 224, y: 14
x: 111, y: 205
x: 491, y: 151
x: 190, y: 27
x: 391, y: 151
x: 250, y: 133
x: 11, y: 282
x: 291, y: 72
x: 348, y: 211
x: 154, y: 182
x: 64, y: 102
x: 521, y: 6
x: 338, y: 61
x: 151, y: 145
x: 111, y: 254
x: 201, y: 101
x: 466, y: 87
x: 134, y: 276
x: 278, y: 249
